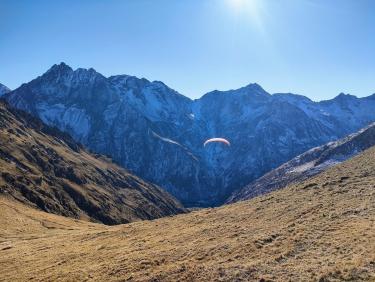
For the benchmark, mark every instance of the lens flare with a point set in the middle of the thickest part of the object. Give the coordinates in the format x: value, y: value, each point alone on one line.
x: 250, y: 10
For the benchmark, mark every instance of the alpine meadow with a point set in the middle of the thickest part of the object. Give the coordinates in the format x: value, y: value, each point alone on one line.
x: 191, y: 140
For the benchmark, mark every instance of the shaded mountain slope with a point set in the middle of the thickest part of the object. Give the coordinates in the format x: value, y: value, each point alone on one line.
x: 322, y: 229
x: 158, y: 134
x: 3, y: 90
x: 46, y: 168
x: 308, y: 164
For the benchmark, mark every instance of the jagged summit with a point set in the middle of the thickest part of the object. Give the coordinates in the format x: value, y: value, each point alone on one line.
x: 255, y: 87
x: 291, y: 96
x: 3, y: 90
x: 344, y: 96
x: 252, y: 90
x: 123, y: 77
x: 62, y: 69
x: 59, y: 68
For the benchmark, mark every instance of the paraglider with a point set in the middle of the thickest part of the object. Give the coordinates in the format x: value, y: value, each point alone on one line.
x: 221, y: 140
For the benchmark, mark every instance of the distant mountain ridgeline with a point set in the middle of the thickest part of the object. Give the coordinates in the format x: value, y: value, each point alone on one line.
x: 158, y: 134
x: 3, y: 90
x: 308, y: 164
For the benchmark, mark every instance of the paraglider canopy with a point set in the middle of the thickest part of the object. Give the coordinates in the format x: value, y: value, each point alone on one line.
x: 221, y: 140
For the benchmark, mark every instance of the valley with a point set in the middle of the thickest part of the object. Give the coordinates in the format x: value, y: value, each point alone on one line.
x: 322, y: 229
x: 197, y: 141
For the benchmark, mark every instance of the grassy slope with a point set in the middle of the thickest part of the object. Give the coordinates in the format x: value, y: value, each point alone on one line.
x: 321, y: 229
x: 41, y: 166
x: 308, y: 164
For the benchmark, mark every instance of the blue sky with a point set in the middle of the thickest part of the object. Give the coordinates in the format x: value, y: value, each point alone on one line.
x: 317, y: 48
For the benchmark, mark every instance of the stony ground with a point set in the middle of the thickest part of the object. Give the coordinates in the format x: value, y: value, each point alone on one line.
x: 320, y: 230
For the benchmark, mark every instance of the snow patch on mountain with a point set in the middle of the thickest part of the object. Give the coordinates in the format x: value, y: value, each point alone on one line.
x: 73, y: 120
x: 158, y: 134
x: 308, y: 164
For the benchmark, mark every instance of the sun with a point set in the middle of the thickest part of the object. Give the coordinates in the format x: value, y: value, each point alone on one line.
x: 244, y: 4
x: 249, y: 10
x: 238, y: 3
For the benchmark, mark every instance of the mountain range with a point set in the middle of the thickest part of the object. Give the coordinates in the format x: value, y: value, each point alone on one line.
x: 308, y: 164
x: 158, y: 134
x: 46, y: 169
x: 65, y: 135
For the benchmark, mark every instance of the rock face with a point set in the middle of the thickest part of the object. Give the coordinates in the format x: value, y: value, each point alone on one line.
x: 158, y: 133
x: 308, y: 164
x: 3, y: 90
x: 45, y: 168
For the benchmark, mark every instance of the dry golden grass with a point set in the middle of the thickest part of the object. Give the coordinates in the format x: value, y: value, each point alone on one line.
x: 42, y: 167
x: 320, y: 230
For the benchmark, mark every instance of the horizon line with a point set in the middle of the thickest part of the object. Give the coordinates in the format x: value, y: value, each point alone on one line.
x: 214, y: 90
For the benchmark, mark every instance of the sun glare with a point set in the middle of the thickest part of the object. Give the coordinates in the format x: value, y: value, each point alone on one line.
x: 243, y: 4
x: 237, y: 3
x: 250, y: 10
